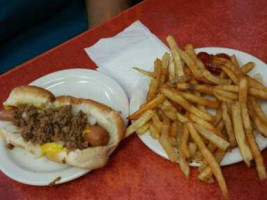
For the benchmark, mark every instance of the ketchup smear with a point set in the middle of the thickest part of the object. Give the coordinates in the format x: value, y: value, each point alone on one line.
x: 207, y: 60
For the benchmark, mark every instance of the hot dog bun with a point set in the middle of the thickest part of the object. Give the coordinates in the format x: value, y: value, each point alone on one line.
x: 89, y: 158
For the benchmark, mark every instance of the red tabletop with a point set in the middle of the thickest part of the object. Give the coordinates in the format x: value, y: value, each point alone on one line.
x: 135, y: 172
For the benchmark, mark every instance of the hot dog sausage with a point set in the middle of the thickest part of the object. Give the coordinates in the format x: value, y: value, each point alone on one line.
x: 7, y: 115
x: 97, y: 136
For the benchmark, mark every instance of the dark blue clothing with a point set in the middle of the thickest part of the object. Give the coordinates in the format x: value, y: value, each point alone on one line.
x: 31, y: 27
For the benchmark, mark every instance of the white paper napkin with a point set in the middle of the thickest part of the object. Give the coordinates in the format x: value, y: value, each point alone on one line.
x: 134, y: 46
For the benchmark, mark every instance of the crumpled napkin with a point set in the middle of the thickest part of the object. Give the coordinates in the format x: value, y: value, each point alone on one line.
x: 134, y: 46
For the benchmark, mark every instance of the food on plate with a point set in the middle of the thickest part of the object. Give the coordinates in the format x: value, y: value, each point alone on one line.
x: 65, y: 129
x: 200, y: 106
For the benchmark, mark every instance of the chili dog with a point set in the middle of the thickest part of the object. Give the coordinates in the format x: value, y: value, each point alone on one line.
x: 65, y: 129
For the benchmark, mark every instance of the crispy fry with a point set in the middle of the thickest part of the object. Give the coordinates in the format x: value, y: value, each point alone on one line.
x: 209, y: 159
x: 231, y: 74
x: 173, y: 130
x: 156, y: 122
x: 166, y: 125
x: 190, y: 63
x: 243, y: 90
x: 222, y: 98
x: 172, y: 141
x: 150, y: 105
x: 171, y: 42
x: 200, y: 100
x: 240, y: 135
x: 154, y: 132
x: 228, y: 125
x: 179, y: 132
x: 229, y: 95
x: 214, y: 79
x: 257, y: 109
x: 165, y: 60
x: 144, y: 72
x: 256, y: 84
x: 139, y: 122
x: 218, y: 115
x: 141, y: 130
x: 185, y: 57
x: 174, y: 96
x: 164, y: 76
x: 190, y: 50
x: 257, y: 93
x: 172, y: 73
x: 173, y: 156
x: 211, y: 147
x: 206, y: 125
x: 153, y: 87
x: 184, y: 143
x: 169, y: 110
x: 247, y: 67
x: 229, y: 88
x: 195, y: 87
x: 223, y: 62
x: 222, y: 75
x: 165, y: 64
x: 213, y: 138
x: 181, y: 117
x: 192, y: 147
x: 178, y: 63
x: 220, y: 126
x: 183, y: 165
x: 182, y: 158
x: 206, y: 174
x: 261, y: 127
x: 234, y: 61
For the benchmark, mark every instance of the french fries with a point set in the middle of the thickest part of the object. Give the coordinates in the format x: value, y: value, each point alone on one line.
x: 154, y: 132
x: 195, y: 87
x: 206, y: 125
x: 247, y: 67
x: 228, y: 125
x: 231, y: 74
x: 173, y: 156
x: 172, y: 72
x: 215, y: 168
x: 229, y: 95
x: 141, y: 130
x: 165, y: 64
x: 178, y: 63
x: 150, y: 105
x: 181, y: 93
x: 184, y: 143
x: 144, y: 72
x: 243, y: 90
x: 156, y: 122
x: 240, y: 134
x: 140, y: 122
x: 213, y: 138
x: 174, y: 96
x: 155, y: 80
x: 200, y: 100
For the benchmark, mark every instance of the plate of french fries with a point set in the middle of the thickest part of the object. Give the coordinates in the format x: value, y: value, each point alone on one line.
x: 203, y: 107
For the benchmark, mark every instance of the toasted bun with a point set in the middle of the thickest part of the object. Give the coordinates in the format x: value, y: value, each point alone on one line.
x: 89, y: 158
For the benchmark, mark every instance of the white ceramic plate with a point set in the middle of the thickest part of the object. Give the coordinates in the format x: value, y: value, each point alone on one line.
x: 139, y: 96
x: 22, y: 166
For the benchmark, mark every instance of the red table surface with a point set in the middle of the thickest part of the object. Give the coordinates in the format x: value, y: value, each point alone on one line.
x: 135, y: 172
